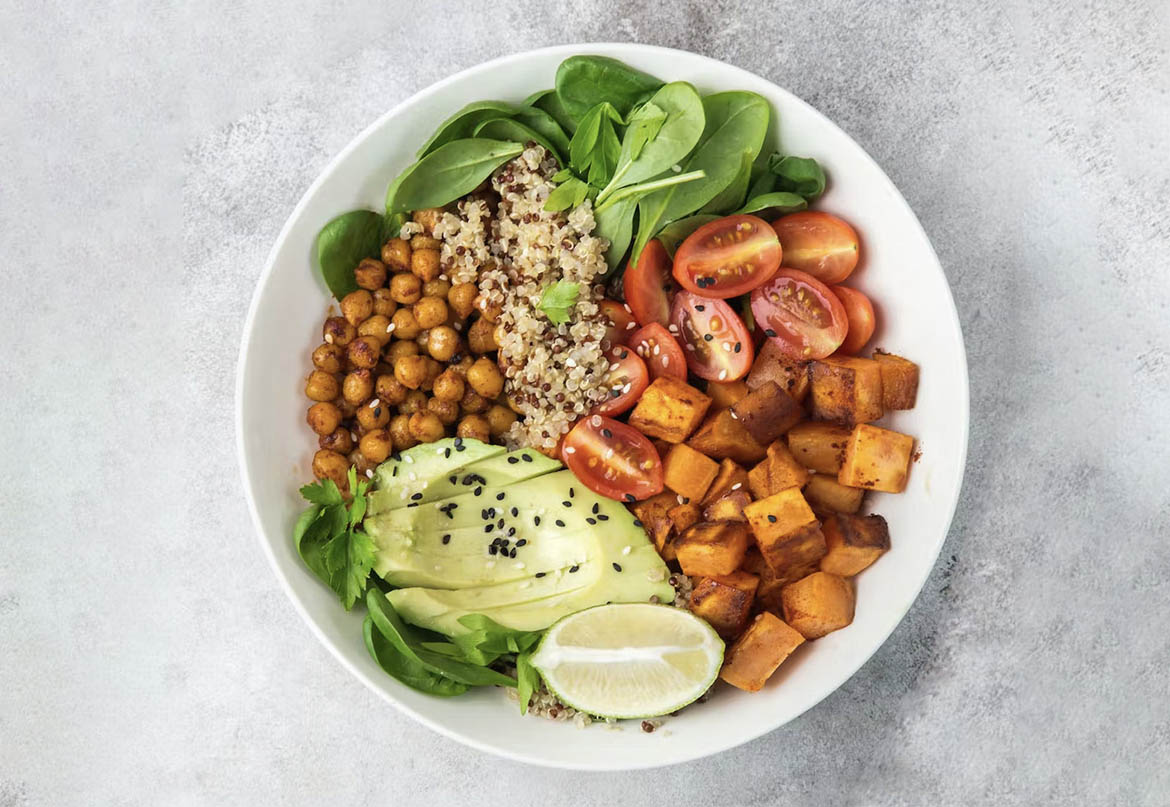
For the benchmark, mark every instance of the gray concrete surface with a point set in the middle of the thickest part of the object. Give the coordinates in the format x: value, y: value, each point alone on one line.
x: 148, y: 158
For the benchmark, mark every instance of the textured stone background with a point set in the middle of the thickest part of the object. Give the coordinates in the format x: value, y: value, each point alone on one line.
x: 148, y: 158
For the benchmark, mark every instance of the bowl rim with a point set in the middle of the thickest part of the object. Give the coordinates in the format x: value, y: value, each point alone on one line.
x: 265, y: 278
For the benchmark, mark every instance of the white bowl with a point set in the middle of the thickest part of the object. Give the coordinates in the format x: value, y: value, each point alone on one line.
x: 916, y: 318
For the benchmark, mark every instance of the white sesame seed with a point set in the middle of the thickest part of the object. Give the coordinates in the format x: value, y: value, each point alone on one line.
x: 608, y: 453
x: 408, y: 458
x: 723, y: 377
x: 353, y: 436
x: 518, y: 565
x: 626, y: 388
x: 665, y: 362
x: 374, y: 403
x: 737, y: 486
x: 613, y: 366
x: 369, y: 473
x: 672, y: 328
x: 731, y: 411
x: 727, y: 346
x: 595, y: 421
x: 570, y: 450
x: 680, y: 498
x: 657, y: 349
x: 627, y: 550
x: 631, y: 325
x: 329, y: 338
x: 390, y: 328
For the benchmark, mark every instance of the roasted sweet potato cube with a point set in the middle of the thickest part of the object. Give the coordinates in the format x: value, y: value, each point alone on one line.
x: 712, y: 547
x: 823, y: 492
x: 819, y: 446
x: 772, y: 365
x: 729, y: 508
x: 778, y: 471
x: 723, y: 437
x: 767, y: 412
x: 669, y: 409
x: 818, y: 604
x: 758, y: 652
x: 725, y: 394
x: 731, y: 477
x: 687, y: 472
x: 725, y: 601
x: 654, y: 513
x: 899, y: 380
x: 846, y: 390
x: 753, y: 561
x: 786, y: 531
x: 854, y: 543
x: 682, y: 516
x: 876, y: 459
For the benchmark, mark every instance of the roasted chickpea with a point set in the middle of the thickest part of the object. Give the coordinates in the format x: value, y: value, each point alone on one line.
x: 442, y: 342
x: 370, y: 274
x: 321, y: 386
x: 364, y: 352
x: 410, y: 371
x: 331, y: 465
x: 426, y: 427
x: 481, y: 336
x: 398, y: 349
x: 430, y: 312
x: 484, y: 377
x: 437, y: 288
x: 323, y: 417
x: 348, y: 410
x: 461, y: 298
x: 373, y: 415
x: 340, y: 440
x: 405, y: 288
x: 473, y: 403
x: 461, y: 364
x: 424, y: 263
x: 338, y: 331
x: 449, y: 386
x: 359, y: 462
x: 328, y: 357
x: 400, y: 432
x: 422, y: 339
x: 475, y: 427
x: 490, y: 311
x: 429, y: 218
x: 376, y: 446
x: 384, y: 304
x: 376, y: 327
x: 446, y: 411
x: 396, y: 255
x: 415, y: 401
x: 390, y: 390
x: 405, y: 325
x: 433, y: 371
x: 425, y: 242
x: 500, y: 419
x: 358, y: 386
x: 357, y: 306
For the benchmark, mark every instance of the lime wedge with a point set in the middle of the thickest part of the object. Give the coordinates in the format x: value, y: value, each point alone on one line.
x: 629, y: 660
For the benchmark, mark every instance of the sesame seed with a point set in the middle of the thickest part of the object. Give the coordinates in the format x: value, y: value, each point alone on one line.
x: 606, y: 433
x: 369, y: 473
x: 447, y: 538
x: 567, y: 503
x: 500, y: 523
x: 738, y: 347
x: 701, y: 307
x: 737, y: 486
x: 500, y: 496
x: 602, y: 517
x: 727, y: 346
x: 416, y: 497
x: 329, y: 338
x: 637, y: 522
x: 536, y: 521
x: 722, y: 375
x: 488, y: 528
x: 570, y: 450
x: 629, y: 497
x: 374, y: 403
x: 515, y: 512
x: 513, y: 460
x: 627, y: 550
x: 390, y: 328
x: 559, y: 523
x: 771, y: 518
x: 617, y: 567
x: 769, y: 332
x: 478, y: 490
x: 590, y: 520
x: 708, y: 337
x: 526, y: 457
x: 595, y: 508
x: 353, y: 436
x: 540, y: 574
x: 573, y: 568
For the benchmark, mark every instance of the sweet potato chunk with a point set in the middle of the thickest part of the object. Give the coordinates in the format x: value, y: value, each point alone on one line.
x: 725, y: 394
x: 725, y: 601
x: 846, y: 390
x: 654, y: 513
x: 824, y: 492
x: 819, y: 446
x: 687, y: 472
x: 778, y: 471
x: 758, y: 652
x: 729, y: 508
x: 712, y: 547
x: 669, y: 409
x: 818, y: 604
x: 682, y: 516
x: 854, y: 543
x: 723, y: 437
x: 772, y: 365
x: 899, y: 380
x: 731, y: 477
x: 767, y: 412
x: 786, y: 531
x: 876, y: 459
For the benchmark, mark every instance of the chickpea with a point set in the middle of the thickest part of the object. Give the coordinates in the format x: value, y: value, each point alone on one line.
x: 321, y: 386
x: 405, y: 288
x: 373, y: 417
x: 348, y: 409
x: 442, y: 342
x: 462, y: 365
x: 490, y: 311
x: 364, y: 352
x: 484, y: 377
x: 358, y: 386
x: 473, y: 403
x: 481, y: 336
x: 340, y: 440
x: 475, y: 427
x: 425, y: 242
x: 410, y: 371
x: 400, y: 432
x: 376, y: 446
x: 390, y: 390
x: 331, y: 465
x: 359, y: 462
x: 429, y: 218
x: 461, y: 298
x: 323, y: 417
x: 426, y: 427
x: 370, y: 274
x: 430, y: 312
x: 396, y: 254
x: 422, y: 339
x: 500, y: 419
x: 433, y: 371
x: 416, y: 400
x: 437, y: 288
x: 446, y: 411
x: 384, y: 304
x: 424, y: 263
x: 357, y: 306
x: 328, y: 357
x: 398, y: 349
x: 376, y: 327
x: 338, y: 331
x: 449, y: 386
x: 405, y: 325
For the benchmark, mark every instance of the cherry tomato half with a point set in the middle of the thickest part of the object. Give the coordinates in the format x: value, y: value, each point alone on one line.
x: 621, y: 322
x: 716, y: 343
x: 649, y: 286
x: 727, y: 257
x: 800, y: 314
x: 661, y: 352
x: 818, y: 243
x: 859, y: 312
x: 625, y: 383
x: 613, y: 459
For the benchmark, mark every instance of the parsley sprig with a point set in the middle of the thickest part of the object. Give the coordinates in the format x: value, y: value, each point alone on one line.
x: 329, y: 537
x: 558, y: 299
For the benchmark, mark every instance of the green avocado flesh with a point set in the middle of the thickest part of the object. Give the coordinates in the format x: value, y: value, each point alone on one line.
x: 437, y: 508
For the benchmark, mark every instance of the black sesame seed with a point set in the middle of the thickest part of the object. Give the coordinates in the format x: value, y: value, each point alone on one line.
x: 483, y: 515
x: 540, y: 574
x: 499, y: 497
x: 560, y: 523
x: 488, y: 527
x: 478, y: 491
x: 413, y: 504
x: 738, y: 347
x: 467, y: 480
x: 707, y: 337
x: 460, y: 448
x: 522, y: 541
x: 637, y: 522
x: 769, y: 332
x: 500, y: 523
x: 513, y: 460
x: 606, y: 433
x: 573, y: 568
x: 526, y: 457
x: 492, y: 549
x: 701, y: 307
x: 458, y: 441
x: 515, y: 512
x: 567, y: 503
x: 536, y: 521
x: 596, y: 507
x: 447, y: 453
x: 416, y: 497
x: 452, y: 479
x: 629, y: 497
x: 591, y: 520
x: 395, y: 471
x: 617, y: 567
x: 572, y: 493
x: 450, y: 514
x: 602, y: 517
x: 447, y: 538
x: 623, y: 354
x: 772, y: 519
x: 511, y: 532
x: 512, y: 554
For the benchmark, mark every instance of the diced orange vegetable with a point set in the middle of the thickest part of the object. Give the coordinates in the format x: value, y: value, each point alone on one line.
x: 712, y: 547
x: 846, y: 390
x: 669, y: 409
x: 772, y: 365
x: 725, y: 601
x: 899, y: 380
x: 687, y: 472
x: 819, y: 446
x: 682, y: 516
x: 731, y: 477
x: 778, y: 471
x: 876, y: 459
x: 824, y: 492
x: 767, y: 412
x: 818, y: 604
x: 654, y: 513
x: 758, y: 652
x: 724, y: 394
x: 729, y: 508
x: 854, y: 543
x: 786, y: 531
x: 723, y: 437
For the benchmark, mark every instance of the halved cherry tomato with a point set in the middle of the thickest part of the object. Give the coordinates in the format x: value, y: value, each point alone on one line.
x: 661, y: 351
x: 621, y: 322
x: 626, y: 382
x: 859, y: 312
x: 727, y: 257
x: 802, y: 316
x: 818, y: 243
x: 613, y: 459
x: 649, y: 286
x: 716, y: 342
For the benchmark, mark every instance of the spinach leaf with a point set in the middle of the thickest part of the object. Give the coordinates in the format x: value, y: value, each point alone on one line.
x: 774, y: 204
x: 570, y: 193
x: 801, y: 175
x: 308, y: 539
x: 594, y: 149
x: 408, y: 671
x: 762, y: 181
x: 463, y: 123
x: 527, y: 679
x: 343, y: 243
x: 676, y: 232
x: 616, y: 224
x: 515, y: 131
x: 448, y: 172
x: 585, y: 81
x: 734, y: 194
x: 546, y: 125
x: 548, y: 101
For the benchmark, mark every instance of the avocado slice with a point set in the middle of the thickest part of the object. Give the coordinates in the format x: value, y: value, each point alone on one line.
x: 413, y: 471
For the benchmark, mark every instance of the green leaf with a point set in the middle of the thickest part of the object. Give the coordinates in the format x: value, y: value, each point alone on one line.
x: 515, y: 131
x: 774, y: 204
x: 405, y: 669
x: 801, y: 175
x: 450, y: 171
x: 489, y: 636
x: 616, y: 224
x: 349, y: 556
x: 542, y: 122
x: 343, y: 243
x: 734, y: 194
x: 594, y: 149
x: 584, y: 81
x: 570, y: 193
x: 763, y: 180
x: 676, y: 232
x: 463, y: 123
x: 548, y: 101
x: 644, y: 126
x: 323, y: 493
x: 309, y: 536
x: 642, y: 189
x: 527, y: 679
x: 558, y: 299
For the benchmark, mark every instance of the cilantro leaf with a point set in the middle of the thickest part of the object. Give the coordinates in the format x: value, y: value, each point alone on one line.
x: 558, y: 299
x: 349, y: 556
x: 329, y: 538
x: 323, y: 493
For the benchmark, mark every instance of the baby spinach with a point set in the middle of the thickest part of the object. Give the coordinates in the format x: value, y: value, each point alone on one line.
x: 343, y: 243
x: 777, y: 203
x: 548, y: 101
x: 543, y: 123
x: 595, y: 148
x: 405, y: 669
x: 450, y: 171
x: 676, y: 232
x: 463, y: 123
x: 734, y: 194
x: 615, y: 223
x: 801, y: 175
x: 762, y: 180
x: 583, y: 82
x: 515, y: 131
